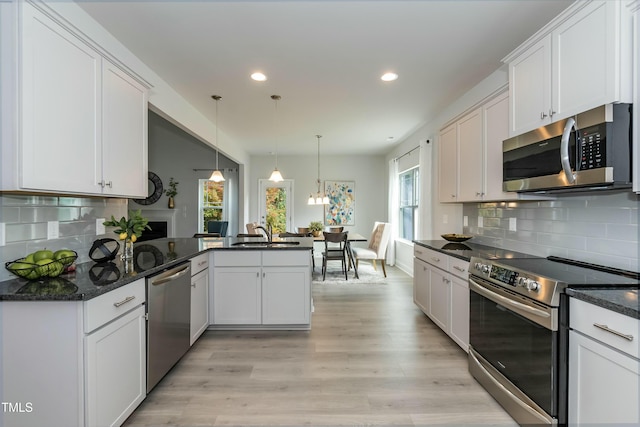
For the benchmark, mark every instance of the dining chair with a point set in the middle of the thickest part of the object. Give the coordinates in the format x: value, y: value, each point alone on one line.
x: 377, y: 249
x: 218, y: 227
x: 335, y: 249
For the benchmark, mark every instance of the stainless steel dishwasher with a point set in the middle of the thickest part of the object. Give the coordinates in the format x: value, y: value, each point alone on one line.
x: 168, y: 324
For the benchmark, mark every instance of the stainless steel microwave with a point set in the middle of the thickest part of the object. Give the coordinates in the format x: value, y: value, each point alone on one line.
x: 589, y: 151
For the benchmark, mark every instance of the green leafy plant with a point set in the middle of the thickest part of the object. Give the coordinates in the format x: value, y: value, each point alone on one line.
x: 130, y: 228
x: 172, y: 191
x: 316, y: 226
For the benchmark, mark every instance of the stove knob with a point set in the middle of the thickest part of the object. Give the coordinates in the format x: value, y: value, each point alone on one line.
x: 532, y: 285
x: 521, y: 282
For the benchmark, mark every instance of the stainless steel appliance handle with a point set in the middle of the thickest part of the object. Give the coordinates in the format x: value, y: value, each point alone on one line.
x: 564, y: 151
x: 171, y: 275
x: 538, y: 416
x: 506, y: 301
x: 613, y: 331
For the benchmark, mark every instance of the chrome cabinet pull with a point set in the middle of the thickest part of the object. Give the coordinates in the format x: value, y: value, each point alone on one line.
x: 202, y: 263
x: 109, y: 184
x: 613, y: 331
x: 434, y: 259
x: 124, y: 301
x: 543, y: 115
x: 551, y: 112
x: 460, y: 269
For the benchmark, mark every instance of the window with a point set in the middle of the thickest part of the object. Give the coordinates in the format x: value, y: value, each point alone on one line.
x: 409, y: 182
x: 212, y: 202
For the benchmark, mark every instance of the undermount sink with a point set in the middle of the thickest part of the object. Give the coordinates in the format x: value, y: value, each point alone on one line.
x: 265, y: 244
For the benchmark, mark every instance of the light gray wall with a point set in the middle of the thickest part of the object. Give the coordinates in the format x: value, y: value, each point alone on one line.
x: 600, y: 228
x: 368, y: 172
x: 174, y: 153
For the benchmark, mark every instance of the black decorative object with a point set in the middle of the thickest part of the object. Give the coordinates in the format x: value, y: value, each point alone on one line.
x: 154, y: 195
x: 104, y: 250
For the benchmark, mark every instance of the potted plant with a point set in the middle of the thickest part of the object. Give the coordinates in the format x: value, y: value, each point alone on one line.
x: 129, y: 230
x: 172, y: 192
x: 316, y: 227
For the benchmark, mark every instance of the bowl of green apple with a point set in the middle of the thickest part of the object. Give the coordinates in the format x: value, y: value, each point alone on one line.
x: 42, y: 264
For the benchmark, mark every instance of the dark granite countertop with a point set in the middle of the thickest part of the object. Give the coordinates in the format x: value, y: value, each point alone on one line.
x: 620, y: 300
x: 93, y: 279
x: 466, y: 250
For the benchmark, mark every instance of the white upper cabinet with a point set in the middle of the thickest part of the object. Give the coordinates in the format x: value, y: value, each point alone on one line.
x: 580, y: 60
x: 530, y: 87
x: 448, y: 164
x: 78, y: 122
x: 470, y: 161
x: 470, y: 151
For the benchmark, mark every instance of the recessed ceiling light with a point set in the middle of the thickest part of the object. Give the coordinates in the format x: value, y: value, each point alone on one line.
x: 389, y: 77
x: 259, y: 77
x: 390, y: 138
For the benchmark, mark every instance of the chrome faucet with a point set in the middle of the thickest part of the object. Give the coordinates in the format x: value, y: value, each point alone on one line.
x: 268, y: 231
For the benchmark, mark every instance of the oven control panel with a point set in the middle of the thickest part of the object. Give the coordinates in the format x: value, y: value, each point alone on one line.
x: 507, y: 276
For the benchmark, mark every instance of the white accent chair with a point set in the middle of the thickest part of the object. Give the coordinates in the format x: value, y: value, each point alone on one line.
x: 377, y: 248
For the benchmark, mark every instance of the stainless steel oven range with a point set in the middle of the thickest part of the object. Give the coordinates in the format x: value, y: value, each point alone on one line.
x: 518, y: 330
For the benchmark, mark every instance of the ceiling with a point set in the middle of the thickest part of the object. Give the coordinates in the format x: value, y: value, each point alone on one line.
x: 325, y: 59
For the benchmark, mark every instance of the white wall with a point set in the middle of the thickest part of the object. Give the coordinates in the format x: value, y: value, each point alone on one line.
x: 368, y: 172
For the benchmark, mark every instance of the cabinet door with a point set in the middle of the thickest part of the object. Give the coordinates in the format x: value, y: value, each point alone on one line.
x: 440, y: 298
x: 530, y: 88
x: 61, y: 102
x: 604, y: 384
x: 460, y: 312
x: 236, y: 298
x: 448, y: 164
x: 580, y: 81
x: 124, y: 134
x: 421, y: 279
x: 115, y: 381
x: 496, y: 130
x: 199, y: 304
x: 286, y: 296
x: 471, y: 157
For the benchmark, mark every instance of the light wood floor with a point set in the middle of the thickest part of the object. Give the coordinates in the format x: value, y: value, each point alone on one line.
x: 371, y: 358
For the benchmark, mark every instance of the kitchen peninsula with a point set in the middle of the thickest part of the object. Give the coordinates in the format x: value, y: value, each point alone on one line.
x: 85, y: 332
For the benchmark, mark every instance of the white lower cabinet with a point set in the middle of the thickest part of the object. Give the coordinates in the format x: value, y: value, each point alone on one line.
x: 441, y: 290
x: 76, y: 363
x: 285, y: 298
x: 115, y: 372
x: 199, y: 296
x: 237, y: 296
x: 604, y: 369
x: 261, y: 289
x: 421, y: 284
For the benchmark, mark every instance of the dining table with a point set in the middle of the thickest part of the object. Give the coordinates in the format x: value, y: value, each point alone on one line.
x: 351, y: 237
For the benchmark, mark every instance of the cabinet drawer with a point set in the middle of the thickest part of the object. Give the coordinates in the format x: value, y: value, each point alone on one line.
x: 237, y: 258
x: 199, y: 263
x: 103, y: 309
x: 432, y: 257
x: 459, y: 267
x: 584, y: 317
x: 286, y: 257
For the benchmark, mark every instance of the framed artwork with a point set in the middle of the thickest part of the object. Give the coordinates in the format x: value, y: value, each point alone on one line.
x: 342, y: 203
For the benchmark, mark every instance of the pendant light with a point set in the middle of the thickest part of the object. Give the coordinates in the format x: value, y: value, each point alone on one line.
x: 276, y: 176
x: 320, y: 199
x: 216, y: 176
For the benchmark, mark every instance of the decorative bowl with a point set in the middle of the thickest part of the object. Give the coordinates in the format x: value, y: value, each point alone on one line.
x: 32, y: 271
x: 456, y: 237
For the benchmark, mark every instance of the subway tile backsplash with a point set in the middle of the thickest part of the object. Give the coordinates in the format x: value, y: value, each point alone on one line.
x: 26, y: 218
x: 600, y: 228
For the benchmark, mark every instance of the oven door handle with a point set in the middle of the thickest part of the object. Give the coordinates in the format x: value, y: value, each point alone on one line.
x: 506, y: 301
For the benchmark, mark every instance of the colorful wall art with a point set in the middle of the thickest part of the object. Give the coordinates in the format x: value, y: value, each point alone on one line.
x: 342, y: 203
